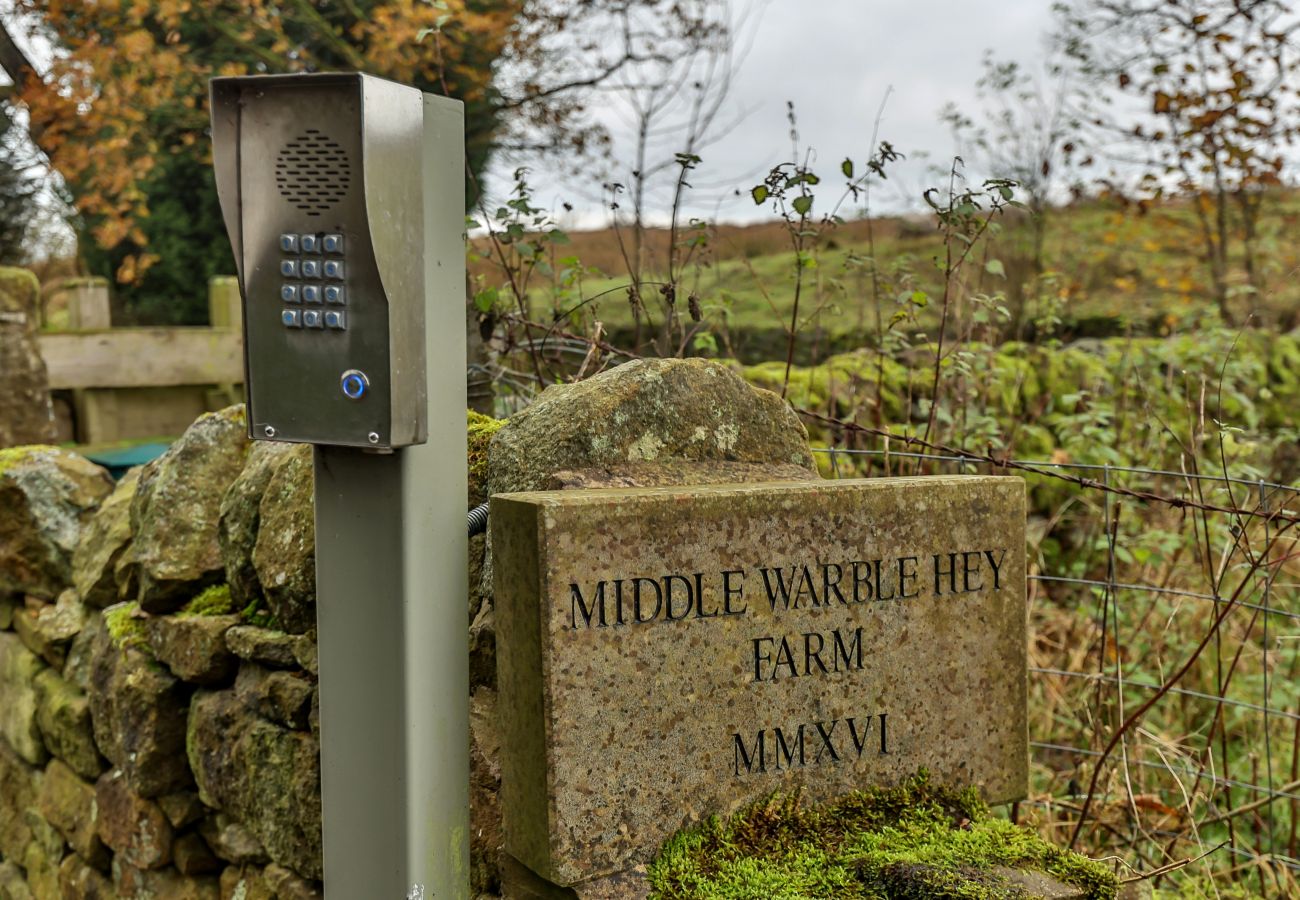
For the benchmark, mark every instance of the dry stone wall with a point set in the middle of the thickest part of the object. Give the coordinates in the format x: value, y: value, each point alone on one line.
x: 157, y: 728
x: 158, y: 700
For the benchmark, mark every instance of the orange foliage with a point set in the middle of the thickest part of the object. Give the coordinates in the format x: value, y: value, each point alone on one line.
x: 129, y: 85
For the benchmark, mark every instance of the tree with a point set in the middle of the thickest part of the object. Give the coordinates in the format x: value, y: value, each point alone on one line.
x: 1028, y: 131
x: 122, y: 111
x: 19, y: 204
x: 1215, y: 91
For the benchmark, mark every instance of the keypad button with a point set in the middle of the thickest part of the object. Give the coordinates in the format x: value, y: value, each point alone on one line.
x: 334, y: 269
x: 311, y: 293
x: 289, y: 293
x: 310, y: 243
x: 334, y: 293
x: 311, y: 268
x: 289, y: 243
x: 291, y: 318
x: 289, y: 268
x: 334, y: 319
x: 332, y: 243
x: 311, y: 318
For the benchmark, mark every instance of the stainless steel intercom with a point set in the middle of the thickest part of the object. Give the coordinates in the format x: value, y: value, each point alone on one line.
x: 344, y: 196
x: 319, y: 178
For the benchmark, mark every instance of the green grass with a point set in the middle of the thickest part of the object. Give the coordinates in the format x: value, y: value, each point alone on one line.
x: 917, y: 840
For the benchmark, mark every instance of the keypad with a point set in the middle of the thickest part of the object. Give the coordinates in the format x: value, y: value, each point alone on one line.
x: 314, y: 280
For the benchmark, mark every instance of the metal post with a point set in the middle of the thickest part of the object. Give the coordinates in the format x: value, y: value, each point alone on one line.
x: 391, y: 554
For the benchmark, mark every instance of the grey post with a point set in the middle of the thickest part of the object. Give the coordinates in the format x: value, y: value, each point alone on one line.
x: 390, y: 457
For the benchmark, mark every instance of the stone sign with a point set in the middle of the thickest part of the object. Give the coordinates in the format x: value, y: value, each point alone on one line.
x: 669, y: 653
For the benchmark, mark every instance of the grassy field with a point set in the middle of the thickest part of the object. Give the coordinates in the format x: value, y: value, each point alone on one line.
x: 1106, y: 269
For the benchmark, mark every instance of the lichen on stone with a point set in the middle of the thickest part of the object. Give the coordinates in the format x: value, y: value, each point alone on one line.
x: 10, y: 456
x: 911, y: 841
x: 212, y: 601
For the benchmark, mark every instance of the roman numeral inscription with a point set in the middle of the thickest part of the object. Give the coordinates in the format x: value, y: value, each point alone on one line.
x: 812, y: 744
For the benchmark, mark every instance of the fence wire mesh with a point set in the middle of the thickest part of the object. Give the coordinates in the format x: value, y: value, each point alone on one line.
x: 1164, y: 630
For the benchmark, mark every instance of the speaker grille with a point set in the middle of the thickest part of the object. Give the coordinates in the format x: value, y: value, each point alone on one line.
x: 313, y: 172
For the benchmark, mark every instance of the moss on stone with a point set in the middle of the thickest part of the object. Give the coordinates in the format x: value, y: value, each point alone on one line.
x: 125, y: 628
x: 256, y: 613
x: 480, y: 430
x: 214, y: 601
x: 915, y: 840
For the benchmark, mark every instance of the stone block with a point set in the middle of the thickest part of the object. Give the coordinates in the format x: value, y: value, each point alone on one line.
x: 669, y: 653
x: 161, y: 884
x: 262, y: 645
x: 19, y: 784
x: 47, y: 496
x: 245, y: 883
x: 63, y: 713
x: 80, y: 881
x: 285, y: 553
x: 13, y: 883
x: 133, y: 827
x: 102, y: 545
x: 194, y: 646
x: 240, y: 516
x: 138, y: 711
x: 176, y: 507
x: 69, y: 804
x: 264, y: 776
x: 26, y: 415
x: 283, y: 697
x: 19, y: 668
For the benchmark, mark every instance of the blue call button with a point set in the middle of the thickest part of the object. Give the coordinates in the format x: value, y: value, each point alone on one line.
x: 355, y: 384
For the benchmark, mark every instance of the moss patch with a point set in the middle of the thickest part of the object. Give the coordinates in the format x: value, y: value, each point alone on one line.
x: 256, y: 613
x: 480, y: 429
x: 916, y: 840
x: 215, y: 601
x: 126, y: 628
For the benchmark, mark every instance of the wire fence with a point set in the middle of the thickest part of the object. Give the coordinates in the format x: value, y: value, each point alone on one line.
x: 1165, y: 635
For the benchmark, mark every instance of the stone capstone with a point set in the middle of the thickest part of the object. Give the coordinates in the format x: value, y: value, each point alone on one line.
x: 69, y: 804
x: 285, y: 553
x: 47, y: 496
x: 26, y: 414
x: 133, y: 827
x: 138, y: 710
x: 102, y: 545
x: 240, y: 517
x: 19, y: 668
x: 646, y: 410
x: 176, y: 507
x: 194, y: 646
x: 63, y: 714
x: 265, y: 776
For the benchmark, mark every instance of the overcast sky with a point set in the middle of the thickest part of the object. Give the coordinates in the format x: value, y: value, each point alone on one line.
x: 835, y: 59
